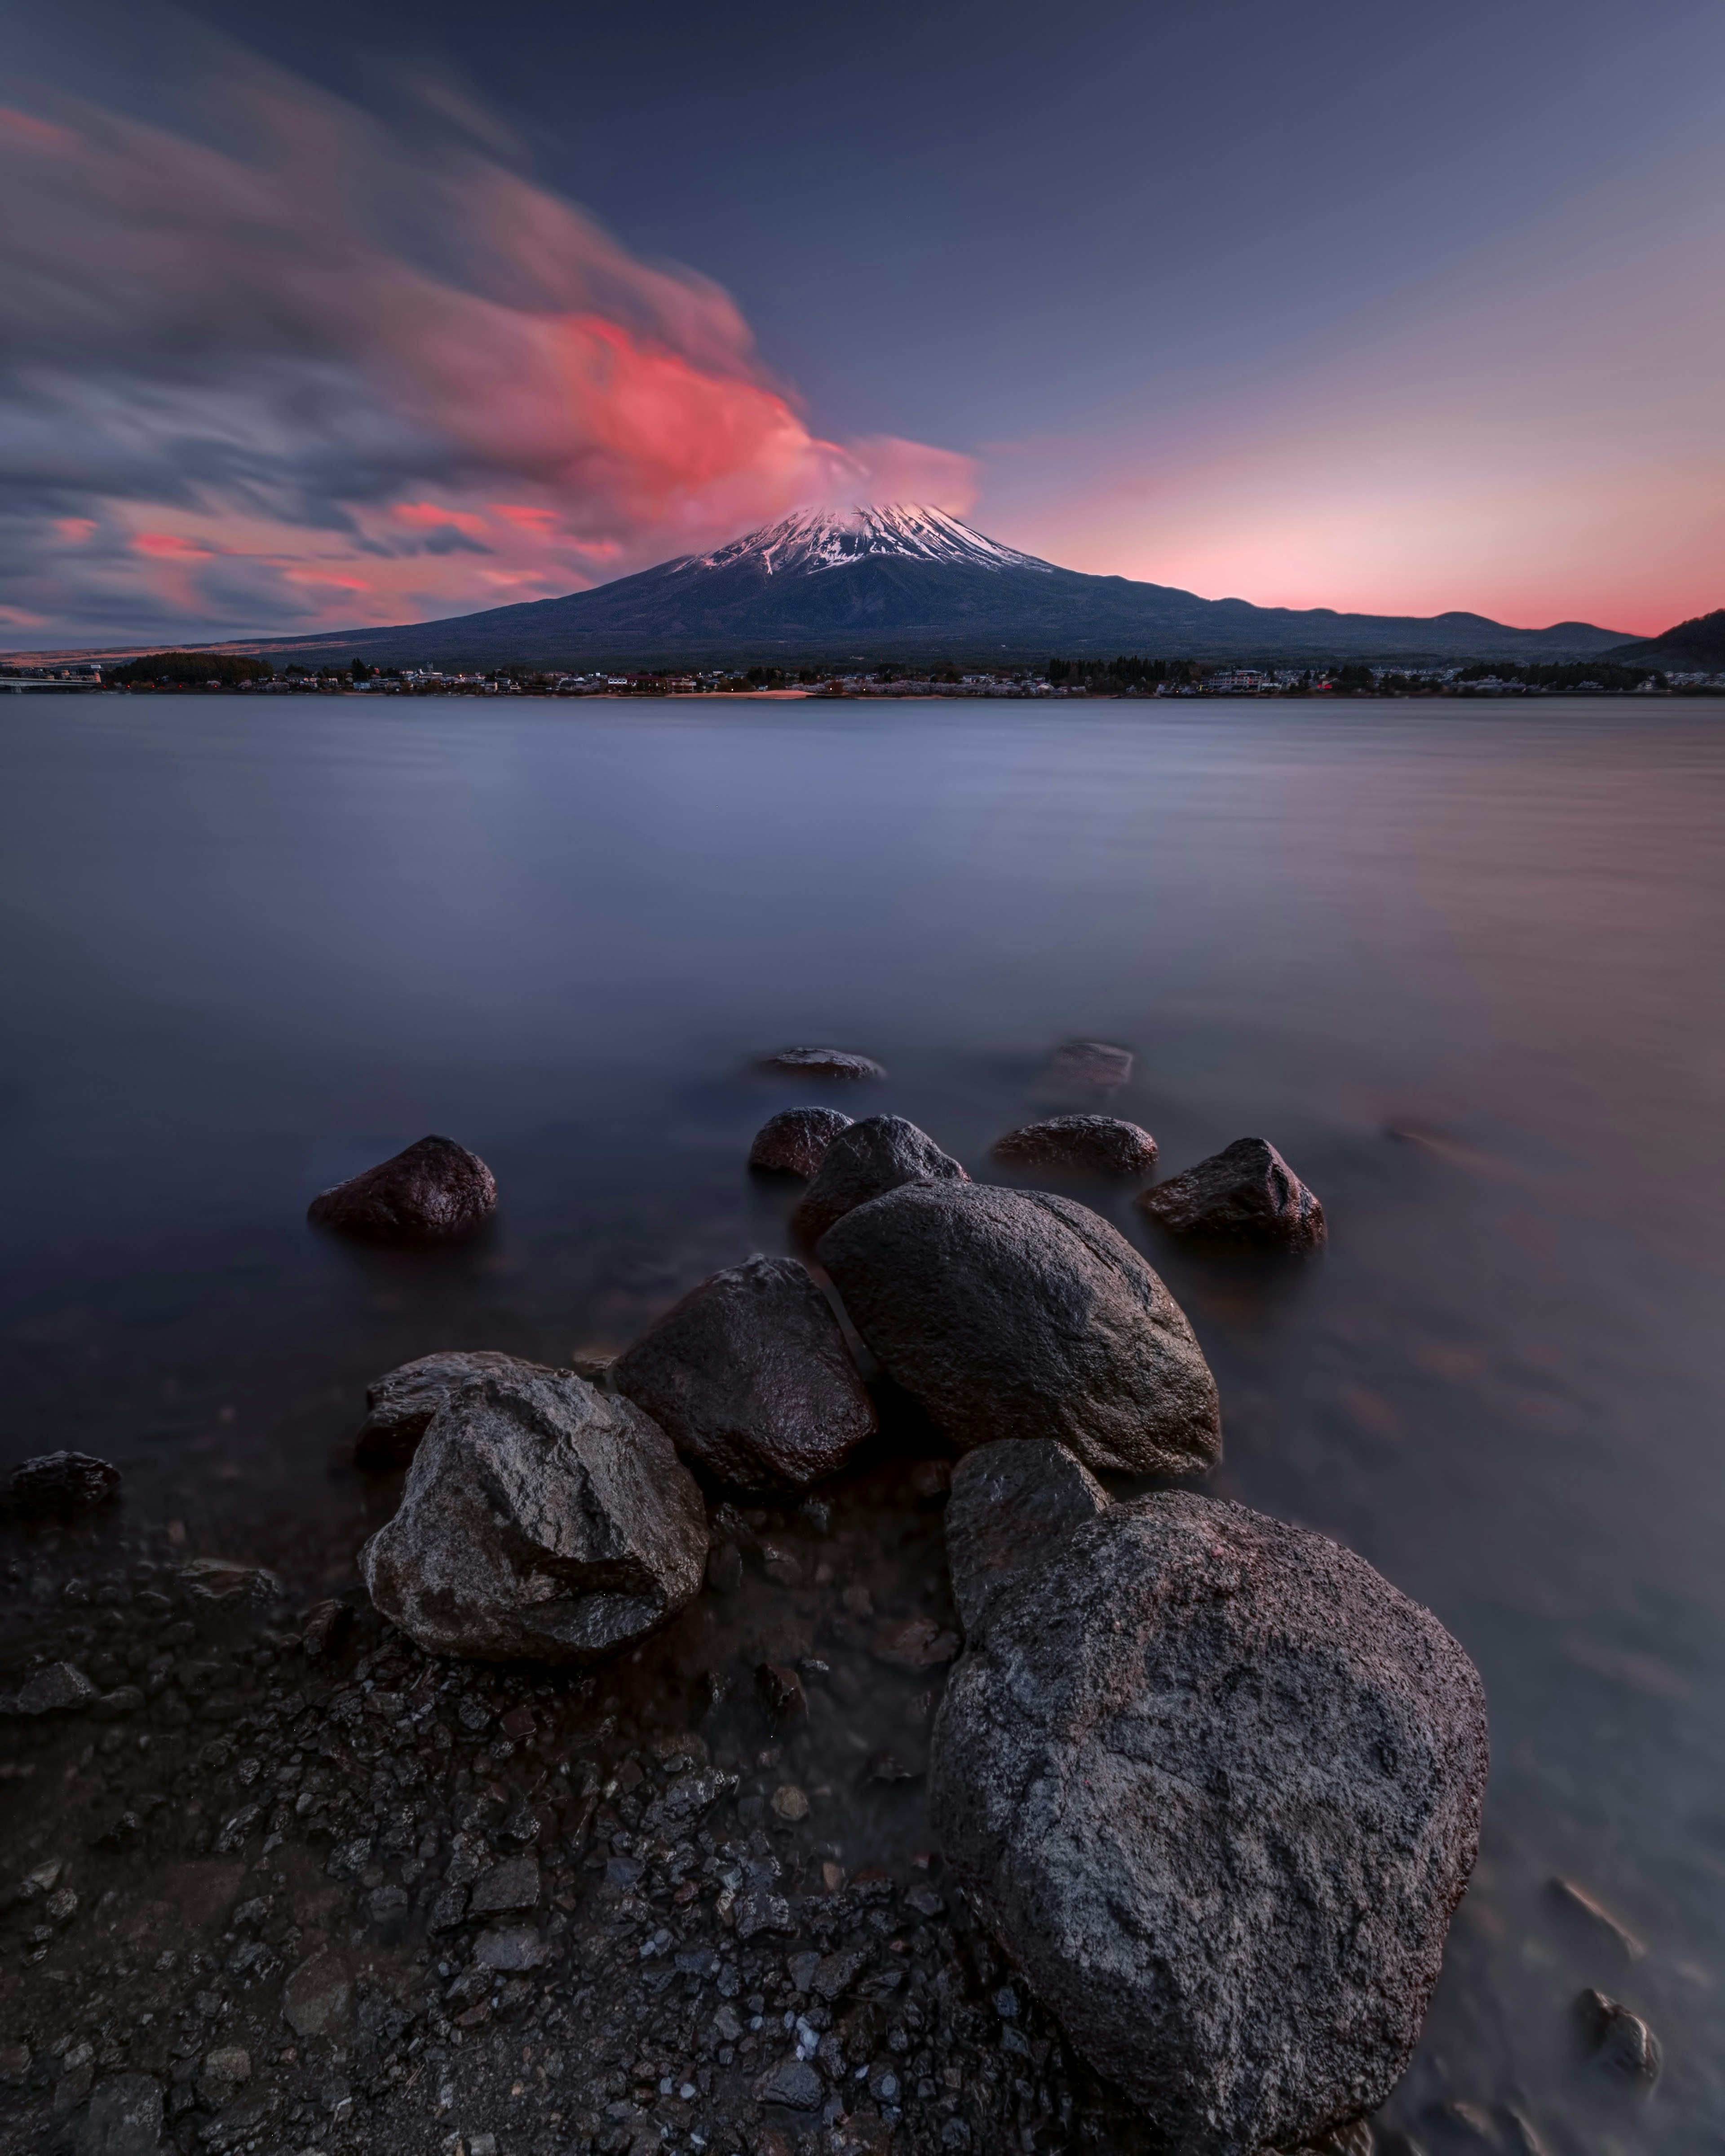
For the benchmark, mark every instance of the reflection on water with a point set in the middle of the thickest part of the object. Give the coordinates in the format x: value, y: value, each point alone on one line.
x: 1459, y: 964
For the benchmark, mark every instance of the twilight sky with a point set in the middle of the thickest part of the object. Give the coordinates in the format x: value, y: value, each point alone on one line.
x: 374, y: 311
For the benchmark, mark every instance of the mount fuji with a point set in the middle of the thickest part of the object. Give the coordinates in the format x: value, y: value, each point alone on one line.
x: 898, y: 581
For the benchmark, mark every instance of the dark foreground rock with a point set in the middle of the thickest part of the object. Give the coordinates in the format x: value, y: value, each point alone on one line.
x: 881, y: 1153
x: 1087, y: 1145
x: 63, y: 1482
x: 1014, y: 1313
x: 540, y: 1519
x: 823, y: 1063
x: 750, y: 1377
x: 400, y: 1405
x: 433, y: 1192
x: 1090, y: 1066
x: 795, y: 1141
x: 1010, y: 1504
x: 1216, y: 1786
x: 1246, y: 1193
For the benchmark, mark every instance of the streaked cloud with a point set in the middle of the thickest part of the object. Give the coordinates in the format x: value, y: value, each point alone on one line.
x: 315, y: 370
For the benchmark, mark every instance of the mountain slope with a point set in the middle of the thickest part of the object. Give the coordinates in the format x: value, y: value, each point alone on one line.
x: 902, y: 582
x: 1693, y: 647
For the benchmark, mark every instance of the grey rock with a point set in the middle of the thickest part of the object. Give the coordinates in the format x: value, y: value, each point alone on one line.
x: 505, y: 1888
x: 822, y: 1063
x: 795, y: 1141
x: 761, y: 1914
x: 1620, y: 2040
x: 1085, y: 1145
x: 433, y: 1192
x: 123, y: 2119
x: 1246, y: 1193
x: 59, y: 1689
x: 63, y: 1482
x: 1011, y: 1504
x: 1016, y: 1313
x: 750, y: 1377
x: 229, y: 1579
x: 1090, y: 1066
x: 1216, y: 1786
x: 318, y: 1996
x: 400, y: 1405
x: 511, y: 1947
x: 796, y: 2084
x: 541, y: 1519
x: 873, y: 1157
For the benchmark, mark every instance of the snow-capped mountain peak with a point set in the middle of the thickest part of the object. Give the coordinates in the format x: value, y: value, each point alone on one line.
x: 811, y: 540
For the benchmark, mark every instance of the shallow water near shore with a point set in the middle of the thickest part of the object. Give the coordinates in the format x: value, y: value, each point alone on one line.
x: 1461, y: 963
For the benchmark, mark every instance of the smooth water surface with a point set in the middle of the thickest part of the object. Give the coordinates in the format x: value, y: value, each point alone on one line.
x: 1461, y: 962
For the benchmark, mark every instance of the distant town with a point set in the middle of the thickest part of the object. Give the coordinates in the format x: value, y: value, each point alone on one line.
x: 181, y: 672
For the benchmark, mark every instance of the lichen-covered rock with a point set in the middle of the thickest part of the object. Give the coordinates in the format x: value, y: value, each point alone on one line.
x: 795, y: 1141
x: 750, y: 1377
x: 1246, y: 1193
x: 822, y: 1063
x: 433, y: 1192
x: 63, y: 1482
x: 1016, y: 1313
x: 879, y: 1154
x: 400, y: 1404
x: 541, y: 1519
x: 1084, y: 1145
x: 1216, y: 1786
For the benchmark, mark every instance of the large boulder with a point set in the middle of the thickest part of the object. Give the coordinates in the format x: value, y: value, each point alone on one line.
x: 1247, y: 1195
x: 433, y: 1192
x: 1016, y: 1313
x: 879, y: 1154
x: 541, y: 1519
x: 750, y: 1377
x: 1083, y: 1145
x: 795, y: 1141
x: 400, y: 1404
x: 1216, y: 1786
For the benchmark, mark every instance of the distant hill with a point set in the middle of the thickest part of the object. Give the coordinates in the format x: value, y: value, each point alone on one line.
x: 1693, y: 647
x: 902, y: 583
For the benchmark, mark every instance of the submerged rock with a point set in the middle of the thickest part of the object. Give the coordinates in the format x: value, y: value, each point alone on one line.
x: 1092, y: 1066
x: 1016, y: 1313
x: 1216, y: 1785
x: 1245, y: 1193
x: 881, y: 1153
x: 433, y: 1192
x: 400, y: 1404
x: 1618, y: 2039
x: 750, y: 1377
x: 63, y: 1482
x: 823, y: 1063
x: 795, y: 1141
x: 1088, y: 1145
x: 540, y: 1519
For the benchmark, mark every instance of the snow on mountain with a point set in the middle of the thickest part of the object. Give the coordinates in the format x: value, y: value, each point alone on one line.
x: 812, y: 539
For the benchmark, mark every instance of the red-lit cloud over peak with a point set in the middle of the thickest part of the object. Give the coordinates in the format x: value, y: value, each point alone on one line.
x: 336, y: 376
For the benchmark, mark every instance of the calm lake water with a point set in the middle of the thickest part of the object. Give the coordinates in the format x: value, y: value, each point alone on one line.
x: 1461, y: 962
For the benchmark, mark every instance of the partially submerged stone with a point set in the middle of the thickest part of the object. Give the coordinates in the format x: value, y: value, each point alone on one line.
x: 1016, y: 1313
x: 1216, y: 1786
x: 1082, y: 1145
x: 795, y: 1141
x: 400, y: 1404
x: 63, y: 1482
x: 540, y: 1519
x: 750, y: 1377
x: 823, y: 1063
x: 1090, y: 1066
x: 1247, y: 1195
x: 879, y: 1154
x: 433, y: 1192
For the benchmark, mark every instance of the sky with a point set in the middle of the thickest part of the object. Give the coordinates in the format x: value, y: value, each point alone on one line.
x: 370, y: 312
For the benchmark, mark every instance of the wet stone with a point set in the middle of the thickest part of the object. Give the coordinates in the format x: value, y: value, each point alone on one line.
x: 1079, y: 1145
x: 1619, y: 2040
x: 840, y: 1063
x: 432, y: 1191
x: 1244, y: 1195
x: 879, y: 1154
x: 795, y: 1141
x: 63, y: 1482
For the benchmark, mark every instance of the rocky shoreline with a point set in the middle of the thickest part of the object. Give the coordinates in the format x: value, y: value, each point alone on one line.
x: 617, y: 1836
